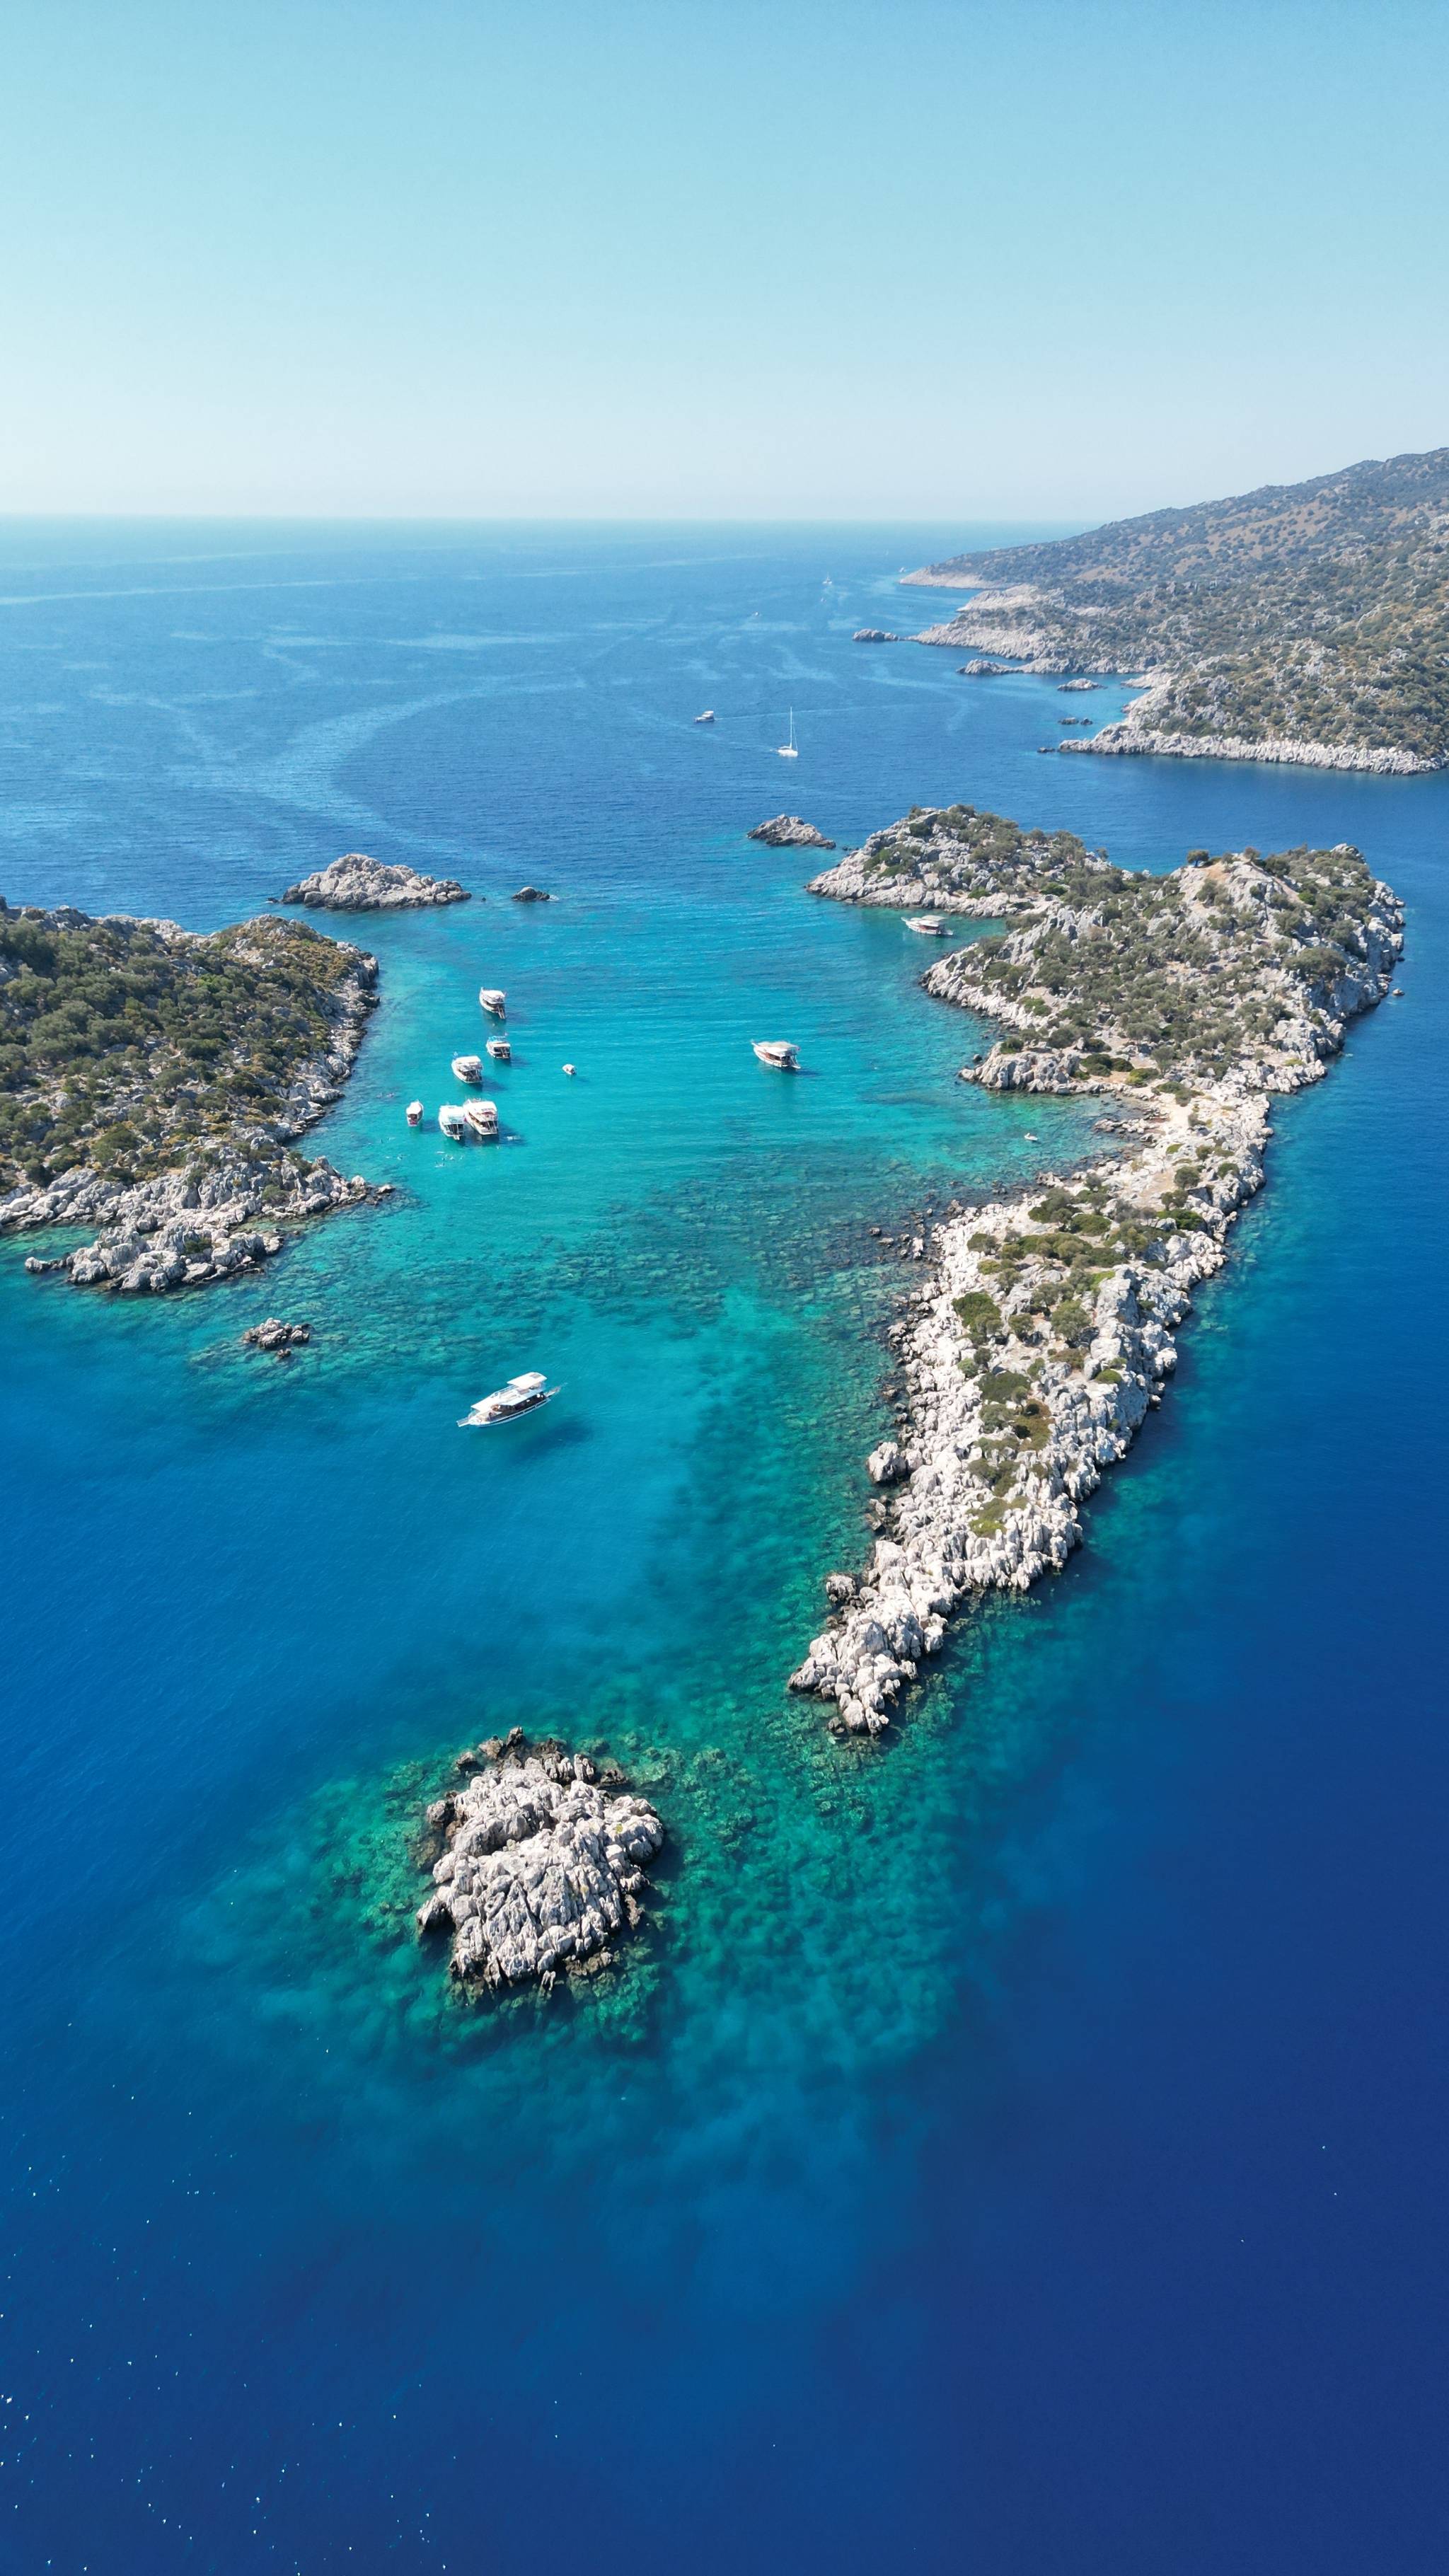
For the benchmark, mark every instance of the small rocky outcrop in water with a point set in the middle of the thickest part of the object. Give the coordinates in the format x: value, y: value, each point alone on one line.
x: 787, y: 832
x: 276, y: 1336
x: 873, y: 635
x: 543, y: 1863
x: 357, y: 884
x: 532, y: 894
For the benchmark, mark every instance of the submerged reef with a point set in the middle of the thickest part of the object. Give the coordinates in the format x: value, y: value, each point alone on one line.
x: 1043, y: 1330
x: 151, y: 1082
x: 542, y: 1866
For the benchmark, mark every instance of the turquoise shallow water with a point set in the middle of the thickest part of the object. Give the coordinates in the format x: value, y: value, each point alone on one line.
x: 1018, y: 2151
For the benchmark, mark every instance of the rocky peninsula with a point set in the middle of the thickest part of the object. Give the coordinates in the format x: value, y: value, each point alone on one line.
x: 152, y: 1080
x: 358, y: 884
x: 542, y: 1863
x: 1043, y: 1330
x: 1306, y: 622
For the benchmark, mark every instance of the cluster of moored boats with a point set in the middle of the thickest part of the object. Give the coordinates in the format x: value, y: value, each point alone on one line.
x: 460, y: 1119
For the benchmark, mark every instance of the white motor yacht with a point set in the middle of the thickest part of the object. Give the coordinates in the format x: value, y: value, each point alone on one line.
x: 928, y: 926
x: 775, y: 1051
x: 500, y: 1050
x: 467, y: 1068
x: 707, y: 717
x: 520, y: 1395
x: 482, y: 1117
x: 492, y: 1000
x: 415, y: 1113
x: 453, y: 1121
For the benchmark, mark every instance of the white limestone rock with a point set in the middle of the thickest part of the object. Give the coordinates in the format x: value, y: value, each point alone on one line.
x: 543, y: 1866
x: 354, y: 883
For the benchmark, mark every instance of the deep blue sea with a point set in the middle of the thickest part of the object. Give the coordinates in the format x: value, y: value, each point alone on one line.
x: 1017, y: 2151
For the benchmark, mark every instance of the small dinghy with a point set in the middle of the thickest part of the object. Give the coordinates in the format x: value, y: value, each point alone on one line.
x: 453, y: 1121
x: 482, y: 1118
x: 774, y: 1051
x: 468, y: 1068
x: 492, y: 1000
x: 500, y: 1050
x: 520, y: 1395
x: 415, y: 1113
x: 571, y: 1068
x: 926, y: 925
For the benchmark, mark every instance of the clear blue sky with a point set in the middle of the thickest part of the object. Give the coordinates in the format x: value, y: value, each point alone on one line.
x: 1035, y: 258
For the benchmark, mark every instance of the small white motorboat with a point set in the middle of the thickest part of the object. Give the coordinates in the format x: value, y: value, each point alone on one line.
x: 775, y: 1051
x: 927, y: 925
x: 520, y: 1395
x: 453, y: 1121
x: 790, y: 750
x: 468, y: 1068
x: 500, y: 1050
x: 482, y: 1117
x: 415, y: 1113
x: 492, y: 1000
x: 571, y: 1068
x: 707, y: 717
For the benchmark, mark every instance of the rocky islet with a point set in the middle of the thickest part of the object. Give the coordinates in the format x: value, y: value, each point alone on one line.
x: 355, y: 883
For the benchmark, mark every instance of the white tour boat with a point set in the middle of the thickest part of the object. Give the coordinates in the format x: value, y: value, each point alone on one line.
x: 500, y: 1050
x: 467, y: 1068
x: 928, y: 926
x: 492, y: 1000
x: 775, y: 1051
x: 520, y: 1395
x: 415, y: 1113
x: 790, y: 750
x: 482, y: 1117
x: 453, y: 1121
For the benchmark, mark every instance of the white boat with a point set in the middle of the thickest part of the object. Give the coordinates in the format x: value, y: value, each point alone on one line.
x: 415, y: 1113
x: 453, y: 1121
x: 571, y: 1068
x: 707, y: 717
x: 790, y: 750
x: 926, y: 923
x: 482, y: 1117
x: 520, y: 1395
x: 775, y: 1051
x: 468, y: 1068
x: 492, y: 1000
x: 500, y: 1050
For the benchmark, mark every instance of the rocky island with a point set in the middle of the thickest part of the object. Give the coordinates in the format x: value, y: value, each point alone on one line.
x: 1306, y: 622
x: 787, y: 832
x: 1043, y: 1330
x: 152, y: 1080
x: 542, y: 1863
x: 358, y: 884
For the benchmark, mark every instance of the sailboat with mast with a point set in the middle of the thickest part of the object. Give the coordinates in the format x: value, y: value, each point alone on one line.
x: 790, y: 750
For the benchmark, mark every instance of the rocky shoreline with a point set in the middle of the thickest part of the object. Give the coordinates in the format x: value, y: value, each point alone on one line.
x: 1044, y: 1331
x: 542, y: 1863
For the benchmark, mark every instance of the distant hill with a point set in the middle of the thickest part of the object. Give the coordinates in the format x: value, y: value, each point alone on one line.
x: 1305, y: 621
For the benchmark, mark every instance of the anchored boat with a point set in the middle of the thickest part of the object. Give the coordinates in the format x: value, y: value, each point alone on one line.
x: 790, y: 750
x: 774, y: 1051
x: 492, y: 1000
x: 500, y: 1050
x: 928, y: 926
x: 520, y: 1395
x: 453, y: 1121
x: 482, y: 1117
x: 415, y: 1113
x: 467, y: 1068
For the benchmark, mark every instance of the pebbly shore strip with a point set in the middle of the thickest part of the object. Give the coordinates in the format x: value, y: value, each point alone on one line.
x: 1044, y: 1329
